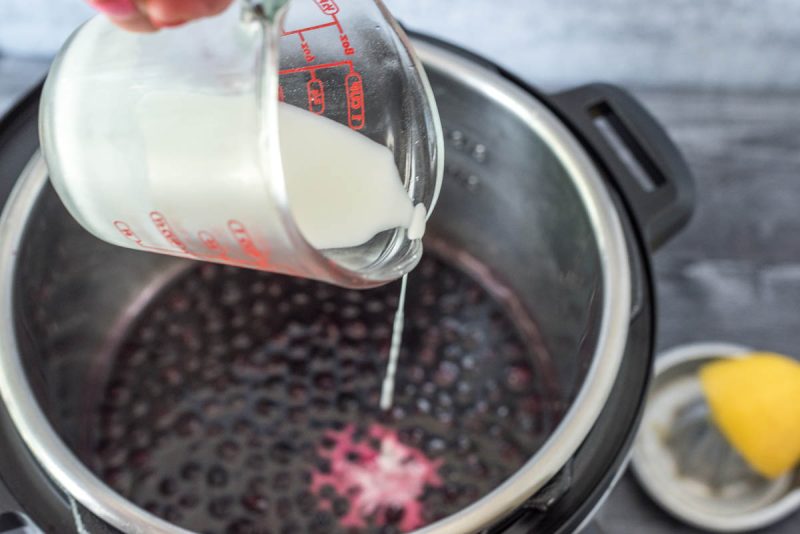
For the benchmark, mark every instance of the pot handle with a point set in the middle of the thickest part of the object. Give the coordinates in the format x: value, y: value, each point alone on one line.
x: 638, y: 155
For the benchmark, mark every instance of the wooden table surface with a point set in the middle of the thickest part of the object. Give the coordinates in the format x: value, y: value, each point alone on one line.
x: 733, y: 275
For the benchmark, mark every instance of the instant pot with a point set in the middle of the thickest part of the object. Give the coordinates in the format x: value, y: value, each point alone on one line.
x: 551, y: 205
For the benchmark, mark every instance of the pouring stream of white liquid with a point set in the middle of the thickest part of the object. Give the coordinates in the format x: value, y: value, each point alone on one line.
x: 387, y: 390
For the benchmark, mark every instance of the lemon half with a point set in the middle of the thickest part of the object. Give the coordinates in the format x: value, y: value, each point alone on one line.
x: 755, y: 402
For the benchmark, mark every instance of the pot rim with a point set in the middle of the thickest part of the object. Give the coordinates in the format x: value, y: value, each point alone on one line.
x: 73, y: 477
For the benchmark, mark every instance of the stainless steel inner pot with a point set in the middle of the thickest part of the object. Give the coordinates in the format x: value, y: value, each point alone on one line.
x: 520, y: 195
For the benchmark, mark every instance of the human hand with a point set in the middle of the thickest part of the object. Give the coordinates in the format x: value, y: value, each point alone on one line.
x: 152, y: 15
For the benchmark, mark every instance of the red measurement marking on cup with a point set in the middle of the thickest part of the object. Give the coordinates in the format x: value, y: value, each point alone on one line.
x: 163, y: 226
x: 217, y: 251
x: 354, y: 85
x: 346, y: 46
x: 281, y: 94
x: 328, y: 7
x: 242, y: 236
x: 338, y: 24
x: 316, y: 95
x: 322, y: 66
x: 355, y: 100
x: 307, y: 50
x: 214, y: 246
x: 354, y: 88
x: 125, y: 229
x: 301, y: 31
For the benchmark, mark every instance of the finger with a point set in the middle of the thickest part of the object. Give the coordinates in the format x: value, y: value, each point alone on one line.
x: 125, y: 13
x: 164, y: 13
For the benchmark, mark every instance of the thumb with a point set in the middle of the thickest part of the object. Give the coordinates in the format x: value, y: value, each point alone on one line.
x: 128, y: 14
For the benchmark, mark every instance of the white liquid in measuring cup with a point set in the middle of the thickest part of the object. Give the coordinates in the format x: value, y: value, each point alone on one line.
x: 343, y: 188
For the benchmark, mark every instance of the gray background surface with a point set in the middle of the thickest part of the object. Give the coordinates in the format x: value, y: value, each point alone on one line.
x: 722, y: 75
x: 711, y: 43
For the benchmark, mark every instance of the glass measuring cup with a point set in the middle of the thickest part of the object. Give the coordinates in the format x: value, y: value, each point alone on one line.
x: 347, y: 61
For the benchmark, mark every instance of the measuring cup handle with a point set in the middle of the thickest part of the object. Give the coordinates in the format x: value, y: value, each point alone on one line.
x: 638, y: 155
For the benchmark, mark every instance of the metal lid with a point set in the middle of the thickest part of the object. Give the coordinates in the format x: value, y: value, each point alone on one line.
x: 685, y: 463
